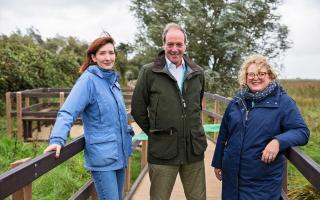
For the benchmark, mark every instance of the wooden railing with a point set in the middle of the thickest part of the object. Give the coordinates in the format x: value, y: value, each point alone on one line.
x: 17, y: 178
x: 22, y: 175
x: 308, y: 168
x: 38, y: 105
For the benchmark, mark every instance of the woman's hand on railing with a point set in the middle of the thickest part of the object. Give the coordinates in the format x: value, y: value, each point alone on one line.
x: 218, y: 173
x: 271, y: 151
x: 54, y: 147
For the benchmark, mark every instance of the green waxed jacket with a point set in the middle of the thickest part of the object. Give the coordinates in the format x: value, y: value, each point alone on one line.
x: 172, y: 120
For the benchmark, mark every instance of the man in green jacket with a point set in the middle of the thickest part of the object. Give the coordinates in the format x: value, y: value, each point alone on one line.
x: 166, y: 104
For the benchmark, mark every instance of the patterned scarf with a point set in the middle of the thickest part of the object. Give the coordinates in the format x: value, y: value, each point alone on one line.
x: 245, y: 93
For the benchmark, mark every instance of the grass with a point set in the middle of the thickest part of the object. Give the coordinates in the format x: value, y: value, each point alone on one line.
x: 59, y: 183
x: 306, y: 93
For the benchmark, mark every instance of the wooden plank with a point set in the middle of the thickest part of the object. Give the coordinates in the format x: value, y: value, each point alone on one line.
x: 24, y: 174
x: 204, y: 107
x: 144, y: 151
x: 8, y: 113
x: 19, y: 116
x: 308, y: 168
x: 84, y: 192
x: 43, y: 95
x: 128, y: 177
x: 220, y: 98
x: 40, y: 114
x: 24, y: 193
x: 34, y: 106
x: 136, y: 183
x: 212, y: 114
x: 61, y: 99
x: 285, y: 177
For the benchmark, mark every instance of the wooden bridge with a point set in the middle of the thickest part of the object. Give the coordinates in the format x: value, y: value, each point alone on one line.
x: 18, y: 180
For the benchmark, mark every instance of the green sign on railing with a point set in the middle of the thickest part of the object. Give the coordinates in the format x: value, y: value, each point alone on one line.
x: 211, y: 128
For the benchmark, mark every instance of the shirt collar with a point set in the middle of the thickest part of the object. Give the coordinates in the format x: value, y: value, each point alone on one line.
x: 171, y: 65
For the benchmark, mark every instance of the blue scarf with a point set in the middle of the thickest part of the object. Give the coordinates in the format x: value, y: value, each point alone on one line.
x: 245, y: 93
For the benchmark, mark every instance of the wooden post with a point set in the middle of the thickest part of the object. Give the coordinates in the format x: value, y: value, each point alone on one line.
x: 285, y: 177
x: 19, y: 116
x: 128, y: 177
x: 61, y: 98
x: 8, y: 113
x: 144, y: 154
x: 204, y: 107
x: 24, y: 193
x: 94, y: 195
x: 216, y: 108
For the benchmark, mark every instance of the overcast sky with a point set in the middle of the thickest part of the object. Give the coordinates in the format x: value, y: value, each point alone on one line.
x: 86, y: 19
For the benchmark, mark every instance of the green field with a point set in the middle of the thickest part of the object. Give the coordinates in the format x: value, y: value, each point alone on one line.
x: 306, y: 93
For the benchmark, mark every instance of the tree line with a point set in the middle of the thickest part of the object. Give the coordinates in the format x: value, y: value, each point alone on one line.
x: 220, y: 34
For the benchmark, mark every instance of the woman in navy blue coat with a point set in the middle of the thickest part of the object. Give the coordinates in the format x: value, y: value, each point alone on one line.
x: 259, y: 124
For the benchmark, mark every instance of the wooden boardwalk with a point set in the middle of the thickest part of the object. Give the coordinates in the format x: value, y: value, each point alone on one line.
x: 212, y: 183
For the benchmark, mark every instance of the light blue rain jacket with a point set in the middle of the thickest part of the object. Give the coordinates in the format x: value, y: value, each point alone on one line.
x: 97, y: 97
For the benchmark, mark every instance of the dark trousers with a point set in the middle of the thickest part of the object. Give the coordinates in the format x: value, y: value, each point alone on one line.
x: 163, y: 177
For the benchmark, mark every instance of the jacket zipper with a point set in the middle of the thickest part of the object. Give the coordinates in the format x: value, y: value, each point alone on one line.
x: 245, y: 123
x: 184, y: 105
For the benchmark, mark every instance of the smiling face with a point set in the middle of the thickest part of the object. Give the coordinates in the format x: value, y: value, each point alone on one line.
x: 105, y: 56
x: 257, y: 79
x: 174, y: 46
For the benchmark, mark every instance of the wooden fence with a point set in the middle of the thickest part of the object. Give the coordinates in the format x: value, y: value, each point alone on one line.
x: 16, y: 180
x: 23, y: 175
x: 40, y: 106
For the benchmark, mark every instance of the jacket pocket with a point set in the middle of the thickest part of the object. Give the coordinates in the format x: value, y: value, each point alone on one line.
x: 105, y: 109
x: 102, y: 150
x: 163, y: 144
x: 198, y: 140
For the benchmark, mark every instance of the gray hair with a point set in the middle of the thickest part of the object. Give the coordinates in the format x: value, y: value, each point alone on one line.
x: 173, y: 26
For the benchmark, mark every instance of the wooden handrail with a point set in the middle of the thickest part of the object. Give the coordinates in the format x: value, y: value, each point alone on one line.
x: 84, y: 192
x: 308, y: 167
x: 24, y: 174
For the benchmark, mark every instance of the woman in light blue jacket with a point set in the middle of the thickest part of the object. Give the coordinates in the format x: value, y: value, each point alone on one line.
x: 97, y: 97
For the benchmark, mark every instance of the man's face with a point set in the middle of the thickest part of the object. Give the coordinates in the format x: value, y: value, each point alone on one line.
x: 174, y: 46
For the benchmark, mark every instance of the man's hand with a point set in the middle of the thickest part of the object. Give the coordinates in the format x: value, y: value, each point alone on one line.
x: 54, y: 147
x: 218, y: 173
x: 271, y: 151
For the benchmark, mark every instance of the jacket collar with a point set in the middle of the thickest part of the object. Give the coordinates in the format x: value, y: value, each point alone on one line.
x: 111, y: 76
x: 160, y: 63
x: 272, y: 100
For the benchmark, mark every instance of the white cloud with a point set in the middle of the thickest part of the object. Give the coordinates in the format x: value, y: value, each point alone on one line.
x: 303, y: 20
x: 83, y: 19
x: 86, y: 19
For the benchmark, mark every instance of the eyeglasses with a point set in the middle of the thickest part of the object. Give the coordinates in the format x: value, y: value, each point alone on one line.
x: 260, y: 75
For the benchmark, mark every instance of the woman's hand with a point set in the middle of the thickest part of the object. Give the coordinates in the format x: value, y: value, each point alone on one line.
x: 271, y: 151
x: 54, y: 147
x: 218, y: 173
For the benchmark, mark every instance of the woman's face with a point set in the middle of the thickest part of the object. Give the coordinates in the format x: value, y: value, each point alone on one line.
x: 257, y: 80
x: 105, y: 56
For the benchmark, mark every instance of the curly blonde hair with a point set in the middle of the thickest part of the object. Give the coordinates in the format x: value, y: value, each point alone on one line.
x: 261, y: 62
